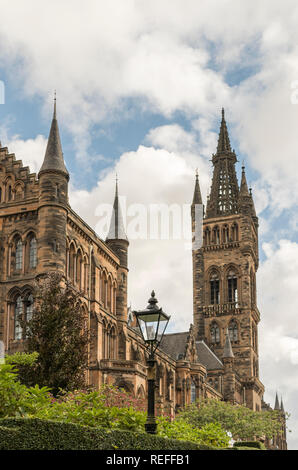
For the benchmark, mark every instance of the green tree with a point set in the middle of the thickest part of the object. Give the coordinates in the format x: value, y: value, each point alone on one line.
x: 181, y: 429
x: 25, y: 365
x: 242, y: 422
x: 58, y: 332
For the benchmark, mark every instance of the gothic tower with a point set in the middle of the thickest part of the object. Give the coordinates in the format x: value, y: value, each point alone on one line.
x: 53, y: 203
x: 225, y: 271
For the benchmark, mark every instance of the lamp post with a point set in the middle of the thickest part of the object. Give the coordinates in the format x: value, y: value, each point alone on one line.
x: 152, y: 323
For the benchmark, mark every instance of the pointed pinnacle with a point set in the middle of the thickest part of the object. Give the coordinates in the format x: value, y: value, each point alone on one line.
x: 223, y: 144
x: 53, y: 160
x: 228, y: 351
x: 197, y: 197
x: 276, y: 406
x: 243, y: 186
x: 116, y: 231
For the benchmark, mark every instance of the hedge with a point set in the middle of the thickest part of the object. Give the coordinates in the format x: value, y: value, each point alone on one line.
x: 38, y: 434
x: 250, y: 444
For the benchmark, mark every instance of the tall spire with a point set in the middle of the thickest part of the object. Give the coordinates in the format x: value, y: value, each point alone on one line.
x: 224, y: 189
x: 53, y: 160
x: 276, y: 406
x: 228, y: 351
x: 116, y: 231
x: 223, y: 144
x: 197, y: 197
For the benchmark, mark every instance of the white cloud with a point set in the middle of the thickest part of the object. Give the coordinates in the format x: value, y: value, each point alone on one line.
x: 149, y: 176
x: 30, y: 151
x: 166, y: 57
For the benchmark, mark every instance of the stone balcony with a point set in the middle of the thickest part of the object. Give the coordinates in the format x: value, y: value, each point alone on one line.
x: 222, y: 309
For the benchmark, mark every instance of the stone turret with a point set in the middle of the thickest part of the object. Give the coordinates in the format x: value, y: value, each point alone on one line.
x: 118, y: 242
x: 53, y: 204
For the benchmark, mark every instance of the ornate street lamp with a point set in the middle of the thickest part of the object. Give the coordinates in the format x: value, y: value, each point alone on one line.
x: 152, y: 323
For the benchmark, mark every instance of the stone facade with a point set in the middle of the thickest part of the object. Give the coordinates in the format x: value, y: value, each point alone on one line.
x: 216, y: 358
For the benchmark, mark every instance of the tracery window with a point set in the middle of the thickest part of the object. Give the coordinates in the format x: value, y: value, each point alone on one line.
x: 215, y: 333
x: 207, y: 236
x: 29, y: 307
x: 232, y: 287
x: 18, y: 313
x: 216, y: 236
x: 214, y: 288
x: 234, y: 232
x: 233, y: 331
x: 9, y: 193
x: 225, y: 234
x: 19, y: 254
x: 32, y: 253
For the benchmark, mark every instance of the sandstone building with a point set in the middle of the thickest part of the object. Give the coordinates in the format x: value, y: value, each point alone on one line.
x: 217, y: 357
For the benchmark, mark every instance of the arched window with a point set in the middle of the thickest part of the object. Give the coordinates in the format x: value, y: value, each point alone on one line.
x: 29, y: 307
x: 79, y: 269
x: 232, y: 287
x: 234, y: 232
x: 207, y: 236
x: 216, y: 236
x: 114, y: 298
x: 71, y: 262
x: 225, y: 234
x: 18, y: 192
x: 233, y: 331
x: 18, y: 313
x: 9, y: 193
x: 214, y: 288
x: 104, y: 340
x: 214, y: 333
x: 109, y: 294
x: 32, y: 253
x: 112, y: 338
x: 104, y: 284
x: 19, y: 254
x: 0, y: 194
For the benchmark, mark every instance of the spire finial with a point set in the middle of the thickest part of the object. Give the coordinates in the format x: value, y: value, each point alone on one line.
x: 223, y: 144
x: 55, y: 100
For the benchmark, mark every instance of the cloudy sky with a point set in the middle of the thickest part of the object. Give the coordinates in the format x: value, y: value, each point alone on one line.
x: 140, y: 87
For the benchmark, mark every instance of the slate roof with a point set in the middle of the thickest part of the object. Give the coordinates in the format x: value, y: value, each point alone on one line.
x: 174, y: 344
x: 207, y: 357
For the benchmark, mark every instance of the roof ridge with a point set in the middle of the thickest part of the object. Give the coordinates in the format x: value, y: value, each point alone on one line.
x: 210, y: 350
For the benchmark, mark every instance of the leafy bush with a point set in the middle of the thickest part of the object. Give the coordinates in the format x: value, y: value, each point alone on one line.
x: 251, y: 444
x: 25, y: 366
x: 90, y: 409
x: 15, y: 398
x: 242, y: 422
x: 209, y: 434
x: 36, y: 434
